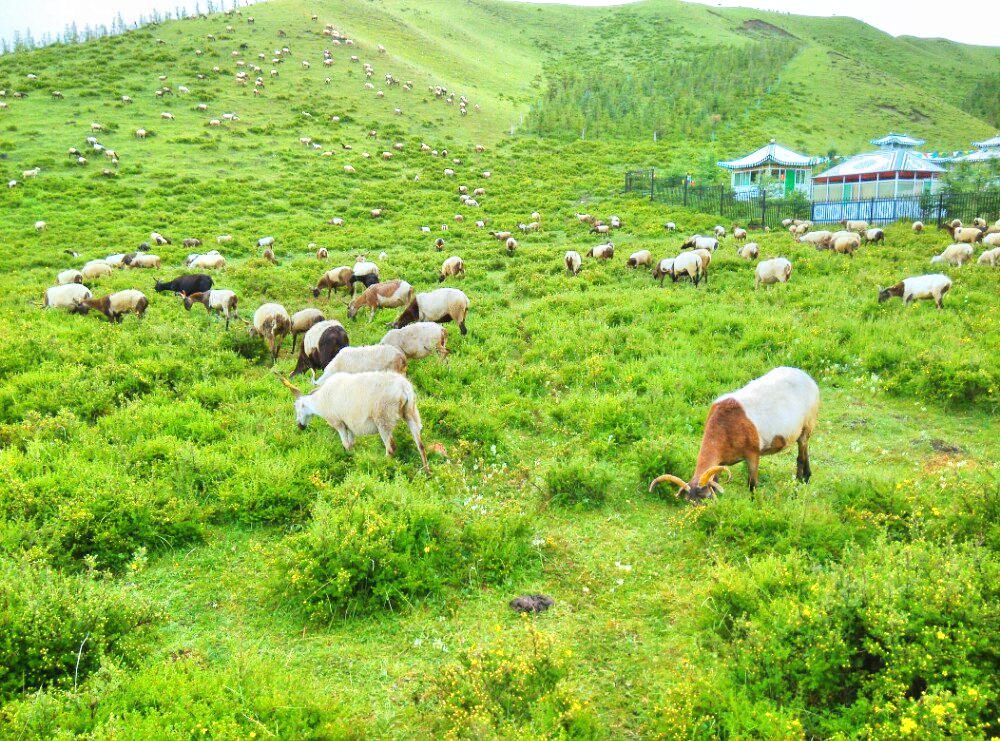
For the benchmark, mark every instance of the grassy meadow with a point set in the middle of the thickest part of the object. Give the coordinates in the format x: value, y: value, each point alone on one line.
x: 178, y: 560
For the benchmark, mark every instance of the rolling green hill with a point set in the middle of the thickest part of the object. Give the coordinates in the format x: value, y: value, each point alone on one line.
x: 178, y: 560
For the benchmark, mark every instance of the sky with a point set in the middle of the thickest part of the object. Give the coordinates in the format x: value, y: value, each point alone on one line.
x: 969, y: 21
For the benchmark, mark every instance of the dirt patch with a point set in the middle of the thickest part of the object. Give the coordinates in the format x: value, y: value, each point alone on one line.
x: 919, y: 116
x: 759, y: 26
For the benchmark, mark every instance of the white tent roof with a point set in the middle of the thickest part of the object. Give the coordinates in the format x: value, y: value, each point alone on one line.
x: 989, y: 143
x: 993, y: 153
x: 884, y: 161
x: 897, y: 140
x: 772, y: 153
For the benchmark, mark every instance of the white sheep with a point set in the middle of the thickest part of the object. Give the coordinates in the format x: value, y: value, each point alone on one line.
x: 418, y: 340
x: 439, y: 305
x: 365, y: 359
x: 602, y: 251
x: 700, y: 243
x: 271, y: 321
x: 662, y: 269
x: 452, y: 267
x: 66, y: 296
x: 95, y: 269
x: 215, y: 300
x: 642, y: 257
x: 689, y: 264
x: 925, y: 287
x: 573, y: 262
x: 990, y: 257
x: 749, y: 251
x: 956, y: 254
x: 775, y: 270
x: 69, y: 276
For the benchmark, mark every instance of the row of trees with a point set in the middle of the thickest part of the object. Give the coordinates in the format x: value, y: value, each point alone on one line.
x: 657, y: 85
x: 72, y: 34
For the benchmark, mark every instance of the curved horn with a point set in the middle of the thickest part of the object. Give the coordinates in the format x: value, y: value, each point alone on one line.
x: 288, y: 385
x: 672, y: 479
x: 712, y: 472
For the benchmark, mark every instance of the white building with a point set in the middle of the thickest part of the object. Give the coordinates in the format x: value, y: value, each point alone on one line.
x: 785, y: 170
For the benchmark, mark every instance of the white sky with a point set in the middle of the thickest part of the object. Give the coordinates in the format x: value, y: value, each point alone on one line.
x: 969, y: 21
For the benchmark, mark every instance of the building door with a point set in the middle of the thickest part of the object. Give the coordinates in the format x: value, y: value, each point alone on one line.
x: 790, y: 181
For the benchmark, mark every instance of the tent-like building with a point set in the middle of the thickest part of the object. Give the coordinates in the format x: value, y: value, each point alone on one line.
x: 985, y: 150
x: 786, y: 170
x: 895, y: 170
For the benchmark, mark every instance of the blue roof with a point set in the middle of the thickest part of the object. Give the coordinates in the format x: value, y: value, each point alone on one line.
x: 897, y: 140
x: 772, y: 153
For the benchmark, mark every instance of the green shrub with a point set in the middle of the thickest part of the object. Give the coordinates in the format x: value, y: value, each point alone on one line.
x: 896, y: 638
x: 516, y: 688
x: 579, y: 484
x: 394, y: 543
x: 57, y: 629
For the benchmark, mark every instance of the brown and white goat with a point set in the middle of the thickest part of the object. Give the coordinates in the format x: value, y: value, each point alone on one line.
x: 389, y: 295
x: 222, y: 302
x: 331, y: 280
x: 115, y: 305
x: 764, y: 417
x: 440, y: 305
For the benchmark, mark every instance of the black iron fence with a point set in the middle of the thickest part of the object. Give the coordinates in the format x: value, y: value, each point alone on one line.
x: 761, y: 209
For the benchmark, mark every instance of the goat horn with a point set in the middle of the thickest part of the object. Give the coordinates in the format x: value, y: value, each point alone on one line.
x: 712, y: 472
x: 672, y: 479
x: 288, y: 385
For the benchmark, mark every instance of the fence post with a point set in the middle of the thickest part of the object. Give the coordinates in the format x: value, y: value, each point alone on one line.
x: 652, y: 182
x: 685, y: 191
x: 940, y: 209
x: 763, y: 208
x: 721, y: 196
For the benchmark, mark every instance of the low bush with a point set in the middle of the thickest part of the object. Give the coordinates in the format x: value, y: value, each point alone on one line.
x: 56, y: 629
x: 393, y: 543
x: 515, y: 688
x: 577, y: 483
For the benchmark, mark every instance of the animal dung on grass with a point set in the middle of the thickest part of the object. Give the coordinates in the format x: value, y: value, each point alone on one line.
x: 531, y: 603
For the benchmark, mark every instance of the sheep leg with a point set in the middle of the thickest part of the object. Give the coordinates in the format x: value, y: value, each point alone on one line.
x: 413, y: 422
x: 753, y: 461
x: 371, y: 316
x: 346, y: 438
x: 802, y: 469
x: 295, y: 338
x: 461, y: 327
x: 385, y: 432
x: 939, y: 300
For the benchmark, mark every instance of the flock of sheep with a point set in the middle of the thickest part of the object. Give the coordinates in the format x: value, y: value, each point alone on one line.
x: 363, y: 390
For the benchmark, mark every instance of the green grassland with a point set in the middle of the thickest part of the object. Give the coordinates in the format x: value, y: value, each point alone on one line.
x: 178, y: 560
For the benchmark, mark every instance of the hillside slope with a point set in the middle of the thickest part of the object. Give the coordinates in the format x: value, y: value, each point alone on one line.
x: 179, y: 560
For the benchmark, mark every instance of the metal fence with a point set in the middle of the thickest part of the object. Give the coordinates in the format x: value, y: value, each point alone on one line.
x: 761, y: 209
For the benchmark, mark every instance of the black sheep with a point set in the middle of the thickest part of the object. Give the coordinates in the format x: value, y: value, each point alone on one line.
x: 185, y: 285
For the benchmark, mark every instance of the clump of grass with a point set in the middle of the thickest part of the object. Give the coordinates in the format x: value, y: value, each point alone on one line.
x: 56, y: 629
x: 393, y: 544
x: 516, y: 686
x: 578, y: 484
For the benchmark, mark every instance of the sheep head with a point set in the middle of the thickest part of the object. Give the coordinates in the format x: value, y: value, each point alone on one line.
x: 698, y: 489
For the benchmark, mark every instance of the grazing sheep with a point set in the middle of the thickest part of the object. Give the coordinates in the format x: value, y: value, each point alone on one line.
x: 990, y: 257
x: 699, y: 242
x: 320, y: 345
x: 141, y: 133
x: 965, y: 234
x: 924, y: 287
x: 158, y: 239
x: 670, y: 226
x: 600, y: 229
x: 453, y: 267
x: 224, y: 238
x: 691, y: 265
x: 992, y: 239
x: 192, y: 242
x: 739, y: 233
x: 418, y: 340
x: 334, y: 279
x: 820, y: 239
x: 642, y: 257
x: 95, y: 269
x: 143, y: 260
x: 749, y: 251
x: 220, y: 301
x: 720, y: 232
x: 40, y: 225
x: 66, y: 296
x: 775, y: 270
x: 439, y: 244
x: 847, y: 244
x: 365, y: 359
x: 764, y: 417
x: 979, y: 223
x: 602, y: 251
x: 440, y: 305
x: 511, y: 245
x: 208, y: 261
x: 303, y: 321
x: 956, y: 254
x: 392, y: 294
x: 271, y: 322
x: 114, y: 306
x: 854, y: 226
x: 662, y: 269
x: 69, y: 276
x: 322, y: 253
x: 873, y: 236
x: 185, y: 285
x: 573, y: 262
x: 357, y: 404
x: 918, y: 226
